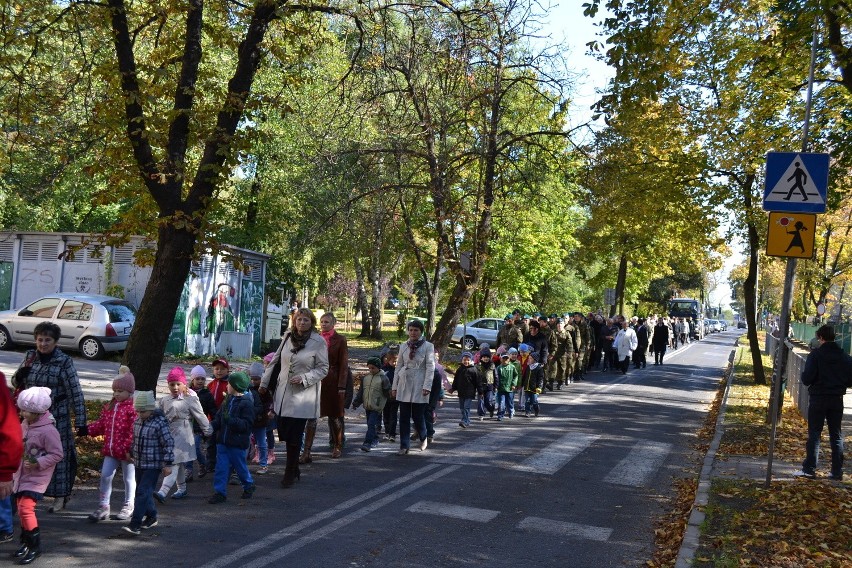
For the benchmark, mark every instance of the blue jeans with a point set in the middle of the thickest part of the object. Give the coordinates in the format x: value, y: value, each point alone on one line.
x: 226, y: 458
x: 532, y: 401
x: 144, y: 505
x: 822, y: 409
x: 505, y: 403
x: 487, y: 403
x: 464, y: 405
x: 374, y: 418
x: 407, y: 411
x: 260, y: 442
x: 6, y: 515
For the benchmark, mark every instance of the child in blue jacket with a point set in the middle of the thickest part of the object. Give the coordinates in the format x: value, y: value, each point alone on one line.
x: 232, y: 428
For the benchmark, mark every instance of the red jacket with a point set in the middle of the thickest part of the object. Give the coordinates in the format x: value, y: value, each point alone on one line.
x: 219, y: 389
x: 116, y: 426
x: 11, y: 439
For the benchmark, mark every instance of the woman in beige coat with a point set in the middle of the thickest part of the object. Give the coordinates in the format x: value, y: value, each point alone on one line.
x: 412, y: 383
x: 299, y: 365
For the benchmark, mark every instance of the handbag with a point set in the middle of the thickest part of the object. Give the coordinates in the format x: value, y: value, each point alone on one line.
x: 19, y: 378
x: 276, y: 370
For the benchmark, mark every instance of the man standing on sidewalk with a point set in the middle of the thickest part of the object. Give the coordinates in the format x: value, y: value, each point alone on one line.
x: 827, y: 373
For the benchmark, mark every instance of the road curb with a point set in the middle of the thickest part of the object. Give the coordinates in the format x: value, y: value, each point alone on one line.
x: 692, y: 534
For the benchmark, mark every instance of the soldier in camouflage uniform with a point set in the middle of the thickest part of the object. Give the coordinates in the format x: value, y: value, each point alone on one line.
x: 510, y: 334
x: 564, y: 355
x: 552, y: 345
x: 584, y: 340
x: 574, y: 348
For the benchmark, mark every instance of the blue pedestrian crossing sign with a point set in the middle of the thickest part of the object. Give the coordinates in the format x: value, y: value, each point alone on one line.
x: 796, y: 182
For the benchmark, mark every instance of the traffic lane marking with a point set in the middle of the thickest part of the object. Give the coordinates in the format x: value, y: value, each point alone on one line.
x: 272, y: 539
x: 275, y: 555
x: 474, y: 514
x: 564, y: 528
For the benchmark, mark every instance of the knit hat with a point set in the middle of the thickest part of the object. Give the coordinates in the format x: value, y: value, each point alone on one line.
x: 524, y: 348
x: 256, y: 369
x: 144, y: 401
x: 222, y: 362
x: 176, y: 375
x: 512, y: 351
x: 534, y: 356
x: 125, y: 381
x: 268, y: 357
x: 239, y: 380
x: 198, y: 371
x: 467, y: 354
x: 375, y: 361
x: 504, y: 356
x: 35, y: 400
x: 484, y: 347
x: 485, y: 354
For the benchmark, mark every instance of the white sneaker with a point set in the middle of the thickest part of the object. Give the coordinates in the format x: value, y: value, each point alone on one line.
x: 125, y: 513
x: 805, y: 474
x: 424, y: 444
x: 100, y: 514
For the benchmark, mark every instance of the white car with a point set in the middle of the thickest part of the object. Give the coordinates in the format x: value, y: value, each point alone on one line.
x: 88, y: 323
x: 477, y: 332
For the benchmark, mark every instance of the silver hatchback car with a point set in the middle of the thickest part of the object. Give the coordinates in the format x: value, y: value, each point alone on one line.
x: 89, y: 323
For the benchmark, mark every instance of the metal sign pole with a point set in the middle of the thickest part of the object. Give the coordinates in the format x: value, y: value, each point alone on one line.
x: 776, y: 402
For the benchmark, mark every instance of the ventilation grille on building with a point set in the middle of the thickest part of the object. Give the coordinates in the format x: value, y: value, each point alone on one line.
x: 124, y: 254
x: 226, y: 269
x: 7, y: 251
x: 253, y: 270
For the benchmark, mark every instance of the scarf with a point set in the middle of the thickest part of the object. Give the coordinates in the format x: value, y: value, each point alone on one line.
x: 413, y: 346
x: 327, y: 336
x: 298, y: 341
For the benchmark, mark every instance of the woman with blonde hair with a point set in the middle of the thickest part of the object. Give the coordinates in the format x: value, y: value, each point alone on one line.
x: 293, y: 377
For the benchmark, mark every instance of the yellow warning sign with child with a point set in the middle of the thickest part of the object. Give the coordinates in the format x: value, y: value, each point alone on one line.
x: 791, y: 235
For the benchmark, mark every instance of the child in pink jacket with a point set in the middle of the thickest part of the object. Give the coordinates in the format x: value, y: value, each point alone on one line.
x: 42, y: 451
x: 116, y: 426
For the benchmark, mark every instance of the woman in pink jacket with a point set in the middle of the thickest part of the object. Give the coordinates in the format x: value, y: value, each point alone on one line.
x: 42, y: 451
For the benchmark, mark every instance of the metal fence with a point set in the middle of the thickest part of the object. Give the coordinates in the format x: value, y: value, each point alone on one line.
x: 805, y: 332
x: 796, y: 356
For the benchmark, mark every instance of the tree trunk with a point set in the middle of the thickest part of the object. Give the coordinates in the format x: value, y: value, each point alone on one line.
x: 361, y: 300
x: 376, y: 294
x: 456, y: 305
x: 619, y: 286
x: 750, y: 286
x: 144, y: 354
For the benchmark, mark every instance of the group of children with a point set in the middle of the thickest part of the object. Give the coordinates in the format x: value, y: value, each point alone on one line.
x: 147, y: 437
x: 491, y: 379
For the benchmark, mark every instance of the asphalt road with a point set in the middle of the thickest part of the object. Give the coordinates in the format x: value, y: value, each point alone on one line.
x: 579, y: 486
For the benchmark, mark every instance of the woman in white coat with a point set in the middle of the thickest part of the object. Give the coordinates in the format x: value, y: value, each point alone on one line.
x: 625, y: 343
x: 299, y: 366
x: 412, y: 383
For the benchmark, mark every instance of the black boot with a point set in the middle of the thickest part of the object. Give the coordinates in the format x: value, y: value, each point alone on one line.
x: 25, y: 545
x: 34, y: 549
x: 291, y: 471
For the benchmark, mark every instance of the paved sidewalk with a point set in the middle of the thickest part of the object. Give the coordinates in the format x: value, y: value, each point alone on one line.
x: 731, y: 467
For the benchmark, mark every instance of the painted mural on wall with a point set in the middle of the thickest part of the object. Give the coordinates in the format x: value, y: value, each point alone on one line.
x: 251, y: 311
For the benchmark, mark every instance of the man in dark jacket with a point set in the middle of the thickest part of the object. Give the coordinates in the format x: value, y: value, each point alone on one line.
x: 537, y: 341
x: 827, y: 373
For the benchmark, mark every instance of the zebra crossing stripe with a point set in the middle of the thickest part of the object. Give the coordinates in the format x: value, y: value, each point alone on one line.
x: 455, y: 511
x: 480, y: 451
x: 640, y: 464
x: 564, y: 528
x: 552, y: 458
